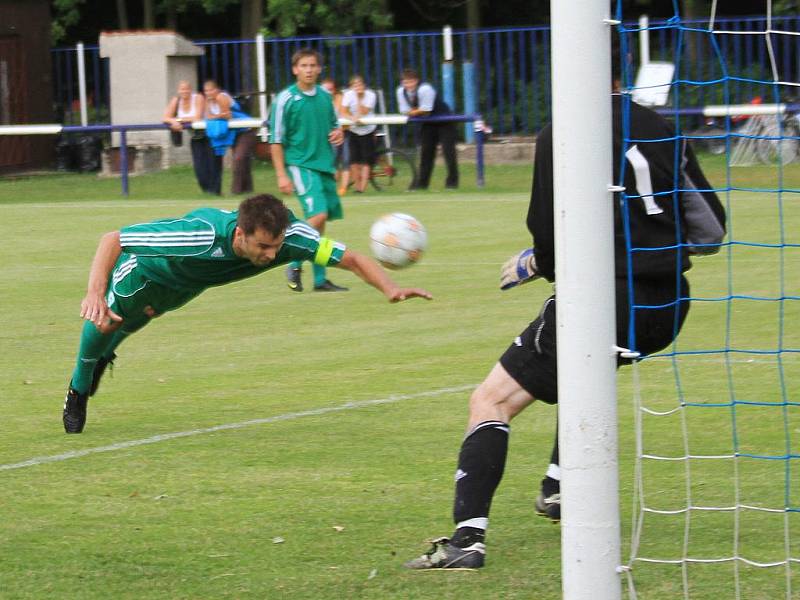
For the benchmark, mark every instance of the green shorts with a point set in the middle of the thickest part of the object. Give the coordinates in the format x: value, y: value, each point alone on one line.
x: 138, y: 299
x: 316, y: 192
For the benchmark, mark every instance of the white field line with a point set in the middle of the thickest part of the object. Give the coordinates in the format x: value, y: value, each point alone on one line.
x: 189, y: 203
x: 40, y: 460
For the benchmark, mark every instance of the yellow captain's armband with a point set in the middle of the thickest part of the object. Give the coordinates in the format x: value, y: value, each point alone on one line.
x: 324, y: 252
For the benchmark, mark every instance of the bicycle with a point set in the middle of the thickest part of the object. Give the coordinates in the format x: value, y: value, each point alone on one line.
x: 392, y: 167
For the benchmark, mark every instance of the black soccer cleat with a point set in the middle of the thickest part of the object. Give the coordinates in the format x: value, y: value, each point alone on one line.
x: 329, y: 286
x: 444, y: 555
x: 293, y: 279
x: 99, y: 369
x: 74, y: 415
x: 549, y: 506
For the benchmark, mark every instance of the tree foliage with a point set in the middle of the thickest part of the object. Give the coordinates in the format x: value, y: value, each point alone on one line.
x: 84, y: 19
x: 66, y: 13
x: 291, y: 17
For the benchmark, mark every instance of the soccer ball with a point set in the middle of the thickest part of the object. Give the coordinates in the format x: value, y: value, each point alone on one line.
x: 397, y: 240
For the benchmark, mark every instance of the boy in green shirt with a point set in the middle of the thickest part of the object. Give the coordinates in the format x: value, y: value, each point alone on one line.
x: 303, y: 125
x: 145, y: 270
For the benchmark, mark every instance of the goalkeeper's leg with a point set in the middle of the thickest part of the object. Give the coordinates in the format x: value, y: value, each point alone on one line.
x: 481, y: 462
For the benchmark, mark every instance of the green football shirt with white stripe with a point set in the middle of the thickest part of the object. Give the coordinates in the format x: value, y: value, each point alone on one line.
x: 300, y: 122
x: 196, y: 251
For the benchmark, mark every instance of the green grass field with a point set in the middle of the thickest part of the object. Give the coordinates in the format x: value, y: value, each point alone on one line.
x: 347, y: 412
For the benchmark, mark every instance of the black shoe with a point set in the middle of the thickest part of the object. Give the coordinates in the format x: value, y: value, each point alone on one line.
x: 74, y: 416
x: 293, y: 279
x: 549, y: 506
x: 329, y: 286
x: 99, y: 369
x: 443, y: 555
x: 451, y: 186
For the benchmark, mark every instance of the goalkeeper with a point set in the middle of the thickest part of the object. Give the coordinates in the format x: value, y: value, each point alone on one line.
x: 145, y: 270
x: 671, y: 215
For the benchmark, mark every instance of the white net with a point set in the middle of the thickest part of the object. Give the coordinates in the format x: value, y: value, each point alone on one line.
x: 717, y: 415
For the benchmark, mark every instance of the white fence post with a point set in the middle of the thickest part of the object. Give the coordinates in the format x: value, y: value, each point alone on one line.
x: 82, y: 83
x: 262, y: 83
x: 644, y: 40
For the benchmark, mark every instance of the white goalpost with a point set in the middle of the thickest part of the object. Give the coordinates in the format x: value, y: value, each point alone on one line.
x: 717, y: 417
x: 587, y: 415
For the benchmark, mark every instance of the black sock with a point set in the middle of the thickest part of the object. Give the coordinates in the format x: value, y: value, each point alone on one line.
x: 466, y: 536
x: 550, y: 486
x: 480, y: 468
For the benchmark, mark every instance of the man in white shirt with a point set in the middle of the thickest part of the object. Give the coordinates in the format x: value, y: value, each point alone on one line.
x: 417, y: 99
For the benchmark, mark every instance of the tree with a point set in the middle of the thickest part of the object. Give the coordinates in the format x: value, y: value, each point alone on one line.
x: 291, y: 17
x: 66, y: 13
x: 122, y: 14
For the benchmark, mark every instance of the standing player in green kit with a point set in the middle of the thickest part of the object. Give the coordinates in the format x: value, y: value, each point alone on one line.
x: 145, y: 270
x: 302, y: 127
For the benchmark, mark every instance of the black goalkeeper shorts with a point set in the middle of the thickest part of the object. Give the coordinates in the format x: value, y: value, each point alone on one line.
x: 531, y: 359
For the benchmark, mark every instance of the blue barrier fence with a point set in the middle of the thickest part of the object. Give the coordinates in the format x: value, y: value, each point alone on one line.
x: 511, y: 65
x: 473, y: 120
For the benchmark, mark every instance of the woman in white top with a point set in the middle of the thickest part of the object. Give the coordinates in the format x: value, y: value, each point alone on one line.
x: 188, y: 106
x: 358, y: 102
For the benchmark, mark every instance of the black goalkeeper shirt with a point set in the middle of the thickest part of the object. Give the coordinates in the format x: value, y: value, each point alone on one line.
x: 679, y: 214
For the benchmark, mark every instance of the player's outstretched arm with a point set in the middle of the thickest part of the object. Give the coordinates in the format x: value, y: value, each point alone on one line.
x: 94, y: 307
x: 371, y: 272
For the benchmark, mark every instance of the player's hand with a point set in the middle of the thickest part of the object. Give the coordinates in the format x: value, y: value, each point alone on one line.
x: 518, y: 269
x: 285, y: 184
x: 95, y: 309
x: 336, y: 137
x: 400, y: 294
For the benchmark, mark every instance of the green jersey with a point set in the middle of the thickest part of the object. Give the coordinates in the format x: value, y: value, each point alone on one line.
x: 301, y: 121
x: 195, y: 252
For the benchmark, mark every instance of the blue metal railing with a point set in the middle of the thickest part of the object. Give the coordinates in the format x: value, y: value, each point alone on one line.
x: 512, y: 66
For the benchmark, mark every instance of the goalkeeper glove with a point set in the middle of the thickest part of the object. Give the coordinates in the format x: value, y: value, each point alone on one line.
x: 518, y: 269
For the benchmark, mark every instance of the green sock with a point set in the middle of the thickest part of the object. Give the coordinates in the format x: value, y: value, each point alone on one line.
x: 296, y: 264
x: 93, y: 345
x: 319, y: 275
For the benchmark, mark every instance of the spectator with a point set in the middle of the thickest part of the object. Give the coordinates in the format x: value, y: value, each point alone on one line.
x: 342, y: 150
x: 359, y: 101
x: 220, y: 108
x: 185, y: 108
x: 417, y: 99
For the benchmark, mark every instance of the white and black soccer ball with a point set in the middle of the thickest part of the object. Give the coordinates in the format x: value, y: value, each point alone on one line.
x: 398, y: 240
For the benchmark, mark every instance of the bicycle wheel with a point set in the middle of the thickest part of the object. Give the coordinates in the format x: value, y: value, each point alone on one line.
x: 784, y: 147
x: 393, y: 168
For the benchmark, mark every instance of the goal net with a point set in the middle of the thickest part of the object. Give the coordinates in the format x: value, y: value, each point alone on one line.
x: 716, y: 511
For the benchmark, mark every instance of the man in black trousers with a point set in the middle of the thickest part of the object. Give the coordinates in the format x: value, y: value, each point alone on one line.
x: 417, y: 99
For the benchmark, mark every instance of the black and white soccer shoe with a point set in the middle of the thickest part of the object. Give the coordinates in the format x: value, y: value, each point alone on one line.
x: 444, y: 555
x: 294, y: 279
x: 99, y: 369
x: 74, y: 415
x: 549, y: 506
